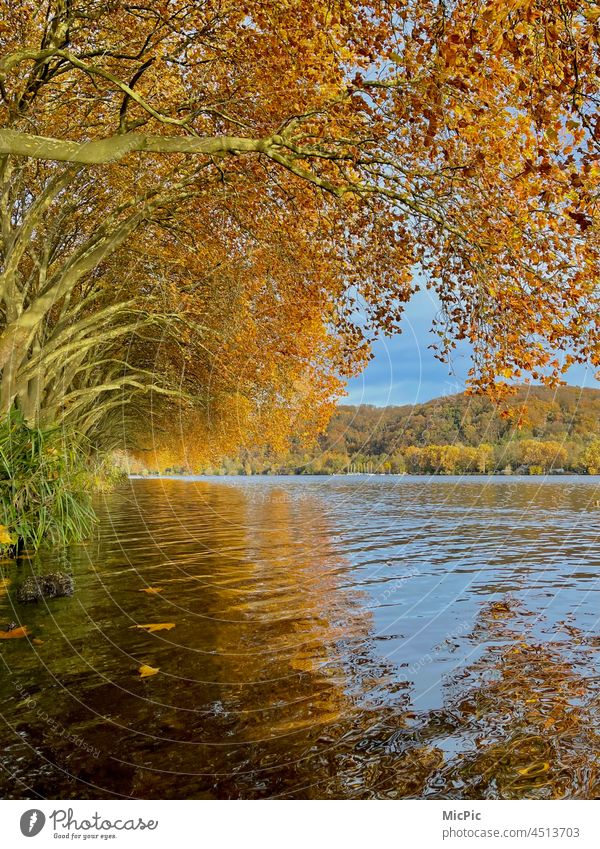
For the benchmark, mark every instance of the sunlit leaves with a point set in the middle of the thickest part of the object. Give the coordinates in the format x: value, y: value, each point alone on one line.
x: 468, y: 152
x: 6, y: 538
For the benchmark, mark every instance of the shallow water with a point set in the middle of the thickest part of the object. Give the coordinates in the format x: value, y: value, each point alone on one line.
x: 346, y: 637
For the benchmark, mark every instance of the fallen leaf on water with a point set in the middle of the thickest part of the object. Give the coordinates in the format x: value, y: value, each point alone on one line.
x: 22, y: 631
x: 156, y: 626
x: 151, y: 590
x: 147, y: 671
x: 37, y: 642
x: 535, y: 769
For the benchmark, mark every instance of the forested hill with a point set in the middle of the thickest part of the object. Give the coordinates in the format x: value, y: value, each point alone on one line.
x: 564, y: 413
x: 459, y: 434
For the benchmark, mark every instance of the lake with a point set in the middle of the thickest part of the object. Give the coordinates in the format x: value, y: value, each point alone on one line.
x: 334, y: 637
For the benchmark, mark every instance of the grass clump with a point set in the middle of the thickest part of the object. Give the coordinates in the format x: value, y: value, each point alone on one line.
x: 45, y: 487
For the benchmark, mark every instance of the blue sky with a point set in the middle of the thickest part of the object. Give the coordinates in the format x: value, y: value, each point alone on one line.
x: 404, y: 370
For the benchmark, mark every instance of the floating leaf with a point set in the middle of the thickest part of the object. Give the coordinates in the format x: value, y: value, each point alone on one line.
x: 37, y: 642
x: 21, y: 631
x: 151, y: 590
x: 146, y: 671
x: 155, y: 626
x: 535, y: 769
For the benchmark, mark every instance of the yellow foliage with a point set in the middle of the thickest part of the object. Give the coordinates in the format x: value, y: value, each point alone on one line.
x: 5, y: 537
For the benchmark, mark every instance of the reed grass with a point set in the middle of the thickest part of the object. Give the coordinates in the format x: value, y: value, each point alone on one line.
x: 45, y: 487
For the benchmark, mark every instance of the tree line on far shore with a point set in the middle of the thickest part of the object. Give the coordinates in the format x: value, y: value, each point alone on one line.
x: 555, y: 430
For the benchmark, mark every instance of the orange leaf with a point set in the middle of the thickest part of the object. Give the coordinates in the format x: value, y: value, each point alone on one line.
x: 155, y: 626
x: 151, y: 590
x: 146, y: 671
x: 22, y: 631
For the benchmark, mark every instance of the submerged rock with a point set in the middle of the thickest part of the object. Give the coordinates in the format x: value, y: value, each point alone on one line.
x: 52, y: 585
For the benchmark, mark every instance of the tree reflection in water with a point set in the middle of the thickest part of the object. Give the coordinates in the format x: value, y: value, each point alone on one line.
x: 272, y: 684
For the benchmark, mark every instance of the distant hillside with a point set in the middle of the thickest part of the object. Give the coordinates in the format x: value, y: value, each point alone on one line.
x: 567, y: 412
x: 453, y: 434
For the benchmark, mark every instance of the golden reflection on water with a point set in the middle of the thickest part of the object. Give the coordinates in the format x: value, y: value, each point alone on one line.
x: 275, y: 680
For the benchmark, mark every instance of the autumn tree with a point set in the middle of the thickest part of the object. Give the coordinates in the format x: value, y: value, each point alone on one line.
x: 590, y: 458
x: 222, y: 202
x: 484, y: 458
x: 546, y: 454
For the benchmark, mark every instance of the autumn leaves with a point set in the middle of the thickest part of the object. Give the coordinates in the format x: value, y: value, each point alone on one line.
x: 145, y: 671
x: 17, y: 631
x: 255, y: 189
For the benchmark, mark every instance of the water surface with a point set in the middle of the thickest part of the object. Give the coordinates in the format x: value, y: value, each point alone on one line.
x: 341, y: 637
